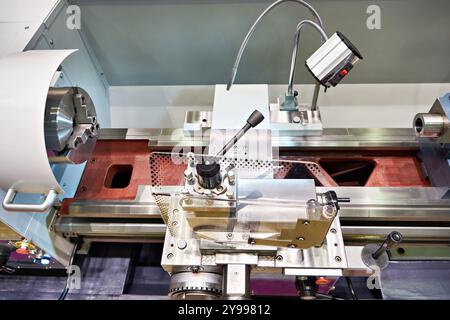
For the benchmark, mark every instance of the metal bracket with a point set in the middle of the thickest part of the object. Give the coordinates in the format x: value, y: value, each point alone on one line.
x: 307, y: 234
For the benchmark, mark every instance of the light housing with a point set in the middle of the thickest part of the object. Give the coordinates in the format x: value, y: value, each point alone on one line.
x: 333, y: 60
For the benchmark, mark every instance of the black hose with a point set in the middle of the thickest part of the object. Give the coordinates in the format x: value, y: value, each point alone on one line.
x: 66, y: 286
x: 350, y: 287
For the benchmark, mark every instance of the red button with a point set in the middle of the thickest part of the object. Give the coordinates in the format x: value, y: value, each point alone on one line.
x: 22, y: 251
x: 343, y: 72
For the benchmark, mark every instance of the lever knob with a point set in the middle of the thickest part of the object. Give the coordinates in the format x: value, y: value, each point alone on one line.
x: 255, y: 118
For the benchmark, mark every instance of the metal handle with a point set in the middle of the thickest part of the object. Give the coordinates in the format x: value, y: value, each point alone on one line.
x: 253, y: 120
x: 393, y: 239
x: 8, y: 204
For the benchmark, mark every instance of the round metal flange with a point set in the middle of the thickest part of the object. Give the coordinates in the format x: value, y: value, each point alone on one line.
x: 428, y: 125
x: 59, y: 118
x: 366, y: 255
x: 195, y: 285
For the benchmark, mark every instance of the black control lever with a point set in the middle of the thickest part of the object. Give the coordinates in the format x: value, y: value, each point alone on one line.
x: 393, y: 239
x: 374, y: 255
x: 255, y: 118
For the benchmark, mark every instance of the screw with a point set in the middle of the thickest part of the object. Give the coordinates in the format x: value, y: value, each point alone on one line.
x: 181, y: 244
x: 300, y: 238
x: 296, y: 119
x: 195, y: 269
x: 306, y: 222
x: 229, y: 236
x: 292, y: 246
x: 328, y: 211
x: 170, y: 256
x: 279, y: 258
x: 333, y: 230
x: 337, y: 259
